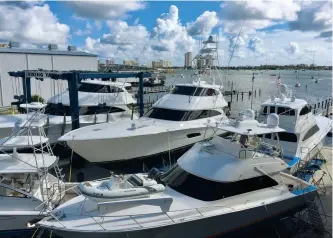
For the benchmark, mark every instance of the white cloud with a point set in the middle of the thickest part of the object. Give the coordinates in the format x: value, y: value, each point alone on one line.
x: 31, y: 24
x: 86, y: 31
x: 203, y: 25
x: 314, y: 16
x: 123, y: 34
x: 98, y: 24
x: 255, y: 45
x: 292, y: 48
x: 256, y: 14
x: 99, y: 10
x: 171, y: 34
x: 237, y: 47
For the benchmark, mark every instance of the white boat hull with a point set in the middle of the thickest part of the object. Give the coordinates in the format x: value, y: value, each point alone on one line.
x: 15, y: 222
x: 116, y: 149
x: 198, y: 227
x: 56, y: 128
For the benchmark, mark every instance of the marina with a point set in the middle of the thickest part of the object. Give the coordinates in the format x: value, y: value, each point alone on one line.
x: 215, y: 123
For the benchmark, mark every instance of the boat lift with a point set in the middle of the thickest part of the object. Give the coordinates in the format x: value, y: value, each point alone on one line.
x: 74, y: 78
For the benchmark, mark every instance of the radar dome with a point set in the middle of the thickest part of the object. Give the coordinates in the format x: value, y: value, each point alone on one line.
x: 249, y: 114
x: 210, y: 38
x: 272, y: 120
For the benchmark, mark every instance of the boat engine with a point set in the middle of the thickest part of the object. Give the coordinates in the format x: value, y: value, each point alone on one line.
x: 155, y: 174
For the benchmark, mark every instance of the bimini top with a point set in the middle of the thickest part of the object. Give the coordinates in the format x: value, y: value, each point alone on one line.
x: 25, y: 163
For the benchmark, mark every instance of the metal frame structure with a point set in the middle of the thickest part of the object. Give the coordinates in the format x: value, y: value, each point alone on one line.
x: 74, y: 78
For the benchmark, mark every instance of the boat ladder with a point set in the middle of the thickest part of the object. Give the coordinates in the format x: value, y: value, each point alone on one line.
x: 58, y: 171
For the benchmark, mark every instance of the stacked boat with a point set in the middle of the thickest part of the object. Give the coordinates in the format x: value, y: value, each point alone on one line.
x: 218, y: 181
x: 28, y: 190
x: 99, y: 101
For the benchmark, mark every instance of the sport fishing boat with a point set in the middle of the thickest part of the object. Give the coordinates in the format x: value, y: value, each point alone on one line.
x: 305, y: 132
x: 28, y: 190
x: 99, y: 101
x: 228, y: 181
x: 174, y: 123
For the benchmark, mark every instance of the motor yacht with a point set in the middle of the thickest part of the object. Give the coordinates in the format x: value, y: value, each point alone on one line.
x: 99, y: 101
x: 231, y: 181
x: 175, y: 122
x: 305, y: 132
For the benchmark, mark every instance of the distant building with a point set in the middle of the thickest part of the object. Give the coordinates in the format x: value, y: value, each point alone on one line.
x: 188, y: 59
x: 201, y: 63
x: 108, y: 62
x: 14, y: 58
x: 130, y: 62
x: 161, y: 64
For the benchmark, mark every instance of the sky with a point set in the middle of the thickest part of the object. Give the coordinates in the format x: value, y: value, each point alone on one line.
x: 259, y: 32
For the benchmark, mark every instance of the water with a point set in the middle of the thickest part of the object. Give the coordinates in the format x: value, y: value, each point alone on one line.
x: 242, y: 81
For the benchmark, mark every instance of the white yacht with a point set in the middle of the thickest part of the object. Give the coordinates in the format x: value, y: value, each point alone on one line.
x: 173, y: 125
x: 216, y: 187
x: 305, y: 132
x: 176, y: 121
x: 27, y: 189
x: 99, y: 101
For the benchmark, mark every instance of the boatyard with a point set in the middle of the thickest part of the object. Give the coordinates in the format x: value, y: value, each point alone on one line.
x: 155, y: 119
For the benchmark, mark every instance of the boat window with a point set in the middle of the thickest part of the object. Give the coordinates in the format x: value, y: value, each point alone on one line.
x: 99, y: 110
x: 113, y: 89
x: 272, y: 110
x: 194, y: 91
x: 285, y: 136
x: 178, y: 115
x: 311, y: 132
x: 200, y: 114
x: 207, y: 190
x: 264, y: 110
x: 6, y: 192
x: 93, y: 88
x: 166, y: 114
x: 305, y: 110
x: 285, y: 111
x: 57, y: 109
x: 185, y: 90
x: 268, y: 136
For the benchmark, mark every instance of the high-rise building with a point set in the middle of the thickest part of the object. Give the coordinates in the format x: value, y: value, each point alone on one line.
x: 200, y: 63
x: 188, y: 59
x: 129, y: 62
x: 161, y: 64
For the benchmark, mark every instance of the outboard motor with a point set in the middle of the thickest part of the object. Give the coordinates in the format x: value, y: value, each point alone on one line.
x: 155, y: 174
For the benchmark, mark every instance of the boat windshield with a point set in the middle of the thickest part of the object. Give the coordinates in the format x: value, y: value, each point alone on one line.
x: 98, y: 88
x: 208, y: 190
x: 61, y: 110
x: 194, y: 91
x: 180, y: 115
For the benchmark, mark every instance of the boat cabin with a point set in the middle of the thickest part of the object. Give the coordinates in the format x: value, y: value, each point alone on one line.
x: 220, y: 168
x: 188, y: 102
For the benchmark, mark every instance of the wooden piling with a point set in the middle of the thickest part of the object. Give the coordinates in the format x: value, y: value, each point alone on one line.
x: 242, y: 95
x: 259, y: 92
x: 255, y: 93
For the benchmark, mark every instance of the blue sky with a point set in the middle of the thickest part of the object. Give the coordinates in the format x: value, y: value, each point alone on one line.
x: 284, y: 32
